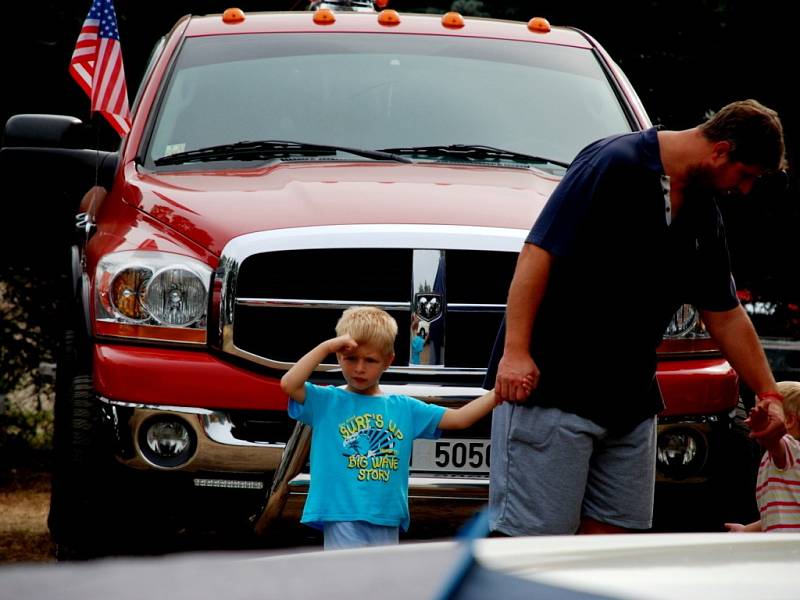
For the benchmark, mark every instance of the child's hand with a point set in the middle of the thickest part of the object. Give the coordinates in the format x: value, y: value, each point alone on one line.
x: 344, y: 344
x: 765, y: 427
x: 735, y: 527
x: 757, y: 419
x: 527, y: 387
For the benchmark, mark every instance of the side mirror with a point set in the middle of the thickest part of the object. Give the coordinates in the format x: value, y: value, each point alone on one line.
x: 44, y: 131
x: 45, y: 169
x: 42, y: 149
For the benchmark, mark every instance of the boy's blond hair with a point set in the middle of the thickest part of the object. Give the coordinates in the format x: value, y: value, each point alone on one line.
x: 790, y: 390
x: 369, y: 325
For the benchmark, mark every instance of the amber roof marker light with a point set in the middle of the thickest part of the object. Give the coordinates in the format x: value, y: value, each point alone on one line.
x: 233, y: 15
x: 452, y: 20
x: 539, y: 25
x: 324, y: 16
x: 388, y: 17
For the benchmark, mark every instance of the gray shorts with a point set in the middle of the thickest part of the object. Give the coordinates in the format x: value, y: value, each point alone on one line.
x: 551, y: 468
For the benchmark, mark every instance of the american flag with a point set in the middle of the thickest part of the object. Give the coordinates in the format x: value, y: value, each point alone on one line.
x: 97, y: 65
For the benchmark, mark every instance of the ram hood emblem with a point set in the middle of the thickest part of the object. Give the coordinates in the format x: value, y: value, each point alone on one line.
x: 428, y: 306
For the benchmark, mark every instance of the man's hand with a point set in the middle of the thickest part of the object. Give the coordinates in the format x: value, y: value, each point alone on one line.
x: 517, y: 377
x: 344, y: 344
x: 766, y: 421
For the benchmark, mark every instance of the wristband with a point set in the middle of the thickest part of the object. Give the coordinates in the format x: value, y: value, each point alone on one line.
x: 771, y: 397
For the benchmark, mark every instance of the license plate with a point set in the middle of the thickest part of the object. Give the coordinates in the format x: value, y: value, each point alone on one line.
x: 451, y: 456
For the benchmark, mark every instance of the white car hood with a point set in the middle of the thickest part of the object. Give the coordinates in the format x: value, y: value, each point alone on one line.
x: 655, y: 566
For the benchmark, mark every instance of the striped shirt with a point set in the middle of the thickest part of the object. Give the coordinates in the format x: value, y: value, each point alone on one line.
x: 778, y: 490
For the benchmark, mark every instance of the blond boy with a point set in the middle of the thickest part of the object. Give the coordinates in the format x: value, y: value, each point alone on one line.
x: 778, y: 484
x: 362, y: 438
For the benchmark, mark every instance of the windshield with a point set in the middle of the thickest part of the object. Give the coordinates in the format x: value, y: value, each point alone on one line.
x: 373, y: 91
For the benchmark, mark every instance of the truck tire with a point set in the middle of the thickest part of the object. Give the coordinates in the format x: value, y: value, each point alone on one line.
x: 736, y: 490
x: 76, y: 517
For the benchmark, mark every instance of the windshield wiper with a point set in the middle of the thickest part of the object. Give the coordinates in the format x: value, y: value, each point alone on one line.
x: 473, y: 152
x: 267, y: 150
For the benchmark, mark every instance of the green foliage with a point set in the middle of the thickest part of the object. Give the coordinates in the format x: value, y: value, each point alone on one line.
x: 28, y: 322
x: 28, y: 328
x: 26, y: 423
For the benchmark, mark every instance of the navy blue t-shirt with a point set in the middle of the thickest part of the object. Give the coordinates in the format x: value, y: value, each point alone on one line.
x: 619, y: 274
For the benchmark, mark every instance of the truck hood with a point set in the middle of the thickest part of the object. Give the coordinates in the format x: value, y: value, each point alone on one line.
x: 213, y: 207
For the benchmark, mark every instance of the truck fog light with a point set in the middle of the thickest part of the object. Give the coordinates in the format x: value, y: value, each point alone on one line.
x: 167, y: 441
x: 681, y: 453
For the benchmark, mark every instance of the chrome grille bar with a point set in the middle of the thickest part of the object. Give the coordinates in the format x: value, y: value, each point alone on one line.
x: 337, y: 304
x: 343, y: 304
x: 465, y: 307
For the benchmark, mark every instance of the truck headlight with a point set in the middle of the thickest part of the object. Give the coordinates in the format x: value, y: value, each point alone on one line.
x: 176, y: 296
x: 152, y: 296
x: 685, y: 323
x: 686, y: 334
x: 126, y: 290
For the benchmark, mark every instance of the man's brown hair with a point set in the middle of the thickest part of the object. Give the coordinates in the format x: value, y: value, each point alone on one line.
x: 754, y: 132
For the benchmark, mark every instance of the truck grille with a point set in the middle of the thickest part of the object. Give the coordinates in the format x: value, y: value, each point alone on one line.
x: 283, y: 302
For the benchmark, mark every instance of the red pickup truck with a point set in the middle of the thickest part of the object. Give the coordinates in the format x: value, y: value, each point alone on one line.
x: 281, y: 167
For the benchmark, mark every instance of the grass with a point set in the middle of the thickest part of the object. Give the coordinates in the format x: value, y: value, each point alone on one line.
x: 26, y: 426
x: 24, y: 502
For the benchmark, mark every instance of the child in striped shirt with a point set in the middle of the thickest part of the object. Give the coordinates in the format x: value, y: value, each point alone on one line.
x: 778, y: 484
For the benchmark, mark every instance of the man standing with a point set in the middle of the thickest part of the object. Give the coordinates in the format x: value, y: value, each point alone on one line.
x: 630, y: 234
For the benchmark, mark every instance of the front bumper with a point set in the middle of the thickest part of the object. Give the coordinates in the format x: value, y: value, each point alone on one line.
x: 236, y: 418
x: 215, y: 448
x: 205, y: 393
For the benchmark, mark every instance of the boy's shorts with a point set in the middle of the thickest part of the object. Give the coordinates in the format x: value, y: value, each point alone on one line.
x: 339, y: 535
x: 551, y: 468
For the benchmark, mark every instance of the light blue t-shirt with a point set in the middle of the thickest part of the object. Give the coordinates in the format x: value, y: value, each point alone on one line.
x: 360, y: 453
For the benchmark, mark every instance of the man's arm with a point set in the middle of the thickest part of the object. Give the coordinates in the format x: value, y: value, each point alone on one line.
x: 738, y: 340
x: 294, y: 380
x: 524, y: 297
